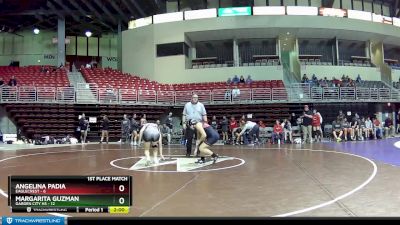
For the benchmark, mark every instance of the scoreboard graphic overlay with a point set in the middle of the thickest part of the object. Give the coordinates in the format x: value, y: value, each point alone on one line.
x: 75, y: 194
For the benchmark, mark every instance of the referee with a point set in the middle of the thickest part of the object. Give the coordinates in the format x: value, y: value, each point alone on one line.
x: 193, y: 110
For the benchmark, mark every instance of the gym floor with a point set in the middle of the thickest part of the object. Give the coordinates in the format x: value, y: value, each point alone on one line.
x: 352, y: 179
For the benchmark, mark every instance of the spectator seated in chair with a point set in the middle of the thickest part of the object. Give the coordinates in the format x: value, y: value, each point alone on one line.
x: 249, y: 80
x: 277, y: 134
x: 337, y: 129
x: 377, y: 127
x: 235, y: 80
x: 389, y: 127
x: 166, y: 134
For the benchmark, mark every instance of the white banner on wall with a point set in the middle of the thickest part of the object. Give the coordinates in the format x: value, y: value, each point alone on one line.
x: 140, y: 22
x: 359, y: 15
x: 302, y: 10
x: 200, y: 14
x: 332, y: 12
x: 168, y: 17
x: 269, y: 10
x: 396, y: 21
x: 382, y: 19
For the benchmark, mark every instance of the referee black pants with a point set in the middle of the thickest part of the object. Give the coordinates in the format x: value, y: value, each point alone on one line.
x: 189, y: 139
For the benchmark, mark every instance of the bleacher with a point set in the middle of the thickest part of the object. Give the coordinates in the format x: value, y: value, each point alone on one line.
x: 37, y: 120
x: 119, y: 80
x: 266, y: 113
x: 224, y: 85
x: 32, y: 76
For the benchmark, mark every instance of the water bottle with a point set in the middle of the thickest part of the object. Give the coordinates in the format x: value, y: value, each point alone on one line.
x: 279, y: 141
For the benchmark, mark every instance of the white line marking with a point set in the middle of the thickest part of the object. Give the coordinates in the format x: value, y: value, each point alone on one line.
x: 341, y: 196
x: 280, y: 215
x: 3, y: 193
x: 169, y: 196
x: 397, y: 144
x: 45, y: 153
x: 54, y: 214
x: 179, y: 170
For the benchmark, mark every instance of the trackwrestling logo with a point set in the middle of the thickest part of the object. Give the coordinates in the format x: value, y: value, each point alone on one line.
x: 25, y: 220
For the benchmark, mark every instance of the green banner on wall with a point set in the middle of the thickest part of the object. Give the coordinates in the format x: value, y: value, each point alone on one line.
x: 234, y: 11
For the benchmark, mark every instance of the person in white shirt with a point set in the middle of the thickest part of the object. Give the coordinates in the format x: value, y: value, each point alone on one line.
x: 287, y: 130
x: 368, y: 127
x: 235, y: 93
x: 253, y: 131
x: 193, y: 110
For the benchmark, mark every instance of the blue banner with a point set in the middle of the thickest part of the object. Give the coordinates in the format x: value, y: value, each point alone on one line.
x: 32, y: 220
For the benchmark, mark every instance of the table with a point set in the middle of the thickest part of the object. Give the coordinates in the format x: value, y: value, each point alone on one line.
x: 265, y: 57
x: 391, y: 60
x: 205, y: 60
x: 360, y: 57
x: 310, y: 56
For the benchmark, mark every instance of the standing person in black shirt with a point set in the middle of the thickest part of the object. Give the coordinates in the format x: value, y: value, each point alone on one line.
x: 12, y: 82
x: 169, y: 121
x: 355, y: 125
x: 214, y: 123
x: 398, y: 121
x: 135, y: 128
x: 105, y: 124
x: 125, y: 129
x: 306, y: 126
x: 293, y: 119
x: 224, y: 128
x: 83, y: 126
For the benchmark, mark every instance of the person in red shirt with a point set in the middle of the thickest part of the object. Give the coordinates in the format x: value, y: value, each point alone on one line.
x: 316, y: 124
x: 233, y: 126
x: 277, y: 133
x: 377, y: 128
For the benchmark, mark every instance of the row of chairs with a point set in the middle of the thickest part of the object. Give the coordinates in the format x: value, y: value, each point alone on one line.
x: 360, y: 64
x: 270, y: 63
x: 266, y: 133
x: 209, y: 65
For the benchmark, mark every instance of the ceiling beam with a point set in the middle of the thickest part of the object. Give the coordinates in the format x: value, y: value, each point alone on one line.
x: 86, y: 14
x: 102, y: 7
x: 118, y: 9
x: 56, y: 11
x: 396, y: 7
x: 137, y: 6
x: 84, y: 26
x: 92, y: 9
x: 27, y: 13
x: 130, y: 8
x: 74, y: 16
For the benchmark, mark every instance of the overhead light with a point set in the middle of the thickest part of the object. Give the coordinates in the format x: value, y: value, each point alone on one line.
x: 284, y: 44
x: 36, y: 31
x: 288, y: 33
x: 286, y: 39
x: 88, y: 33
